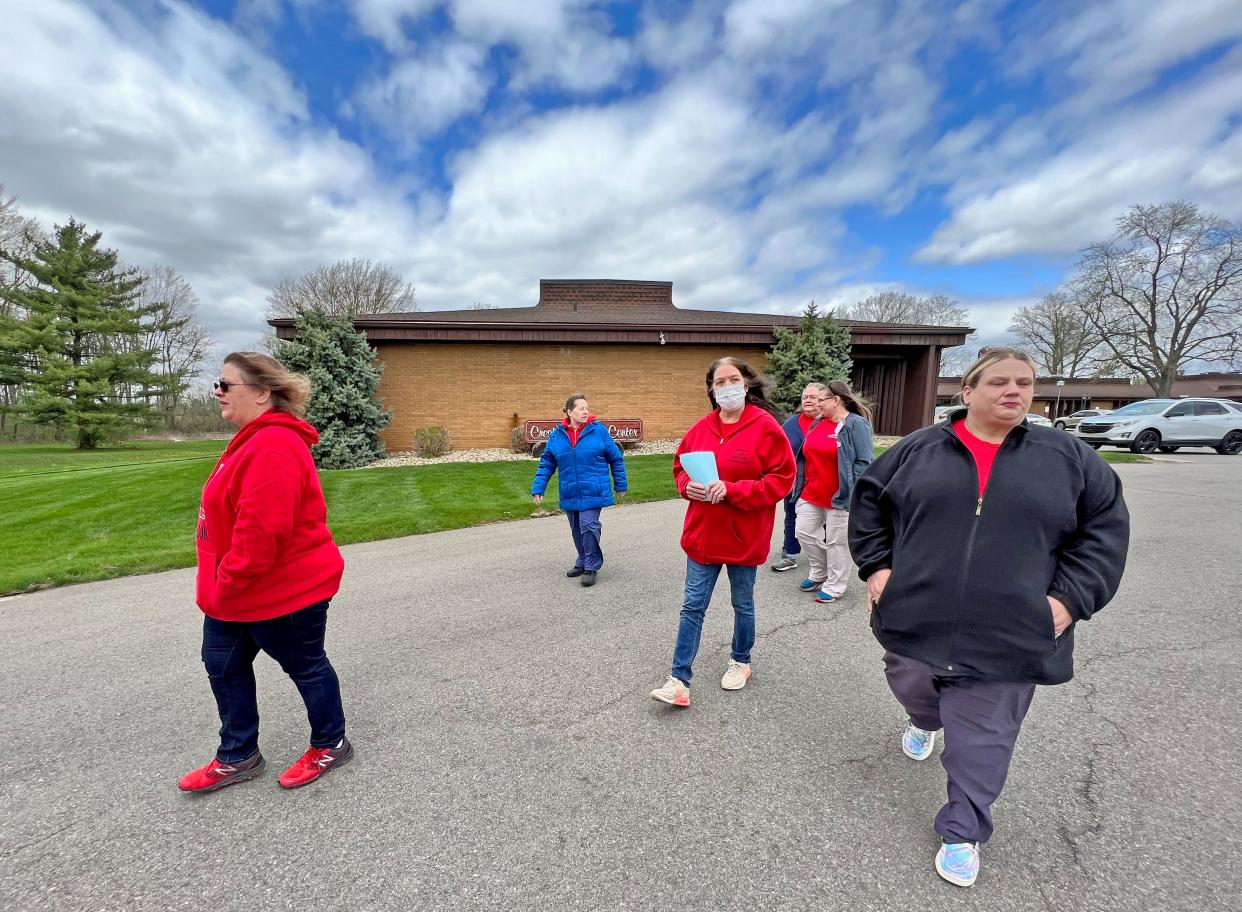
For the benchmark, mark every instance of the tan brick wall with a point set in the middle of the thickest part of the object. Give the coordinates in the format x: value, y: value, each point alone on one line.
x: 476, y: 390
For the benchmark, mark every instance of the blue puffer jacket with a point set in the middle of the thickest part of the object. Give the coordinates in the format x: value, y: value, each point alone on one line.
x: 584, y: 483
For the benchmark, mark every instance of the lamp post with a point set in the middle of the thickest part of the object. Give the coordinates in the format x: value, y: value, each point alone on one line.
x: 1056, y: 409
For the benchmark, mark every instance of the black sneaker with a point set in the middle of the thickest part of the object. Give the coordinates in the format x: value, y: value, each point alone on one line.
x: 575, y: 571
x: 588, y: 578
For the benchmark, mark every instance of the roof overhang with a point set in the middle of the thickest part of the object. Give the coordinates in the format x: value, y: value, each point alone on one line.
x: 378, y: 330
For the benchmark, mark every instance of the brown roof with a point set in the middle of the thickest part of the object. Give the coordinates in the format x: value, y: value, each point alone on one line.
x: 611, y: 310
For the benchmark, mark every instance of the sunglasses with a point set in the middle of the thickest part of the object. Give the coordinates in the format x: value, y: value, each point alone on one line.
x: 224, y: 385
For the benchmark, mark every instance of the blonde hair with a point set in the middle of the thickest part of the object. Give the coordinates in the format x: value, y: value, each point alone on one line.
x: 994, y: 355
x: 290, y: 391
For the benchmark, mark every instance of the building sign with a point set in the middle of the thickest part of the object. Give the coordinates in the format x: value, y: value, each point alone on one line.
x: 622, y: 430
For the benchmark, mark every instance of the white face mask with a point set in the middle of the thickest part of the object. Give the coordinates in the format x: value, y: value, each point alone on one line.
x: 731, y: 398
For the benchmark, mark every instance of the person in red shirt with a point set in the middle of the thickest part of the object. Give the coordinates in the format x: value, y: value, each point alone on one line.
x: 728, y: 522
x: 267, y: 569
x: 837, y: 450
x: 984, y: 541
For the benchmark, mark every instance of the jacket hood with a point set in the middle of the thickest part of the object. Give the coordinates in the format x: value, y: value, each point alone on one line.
x: 566, y: 424
x: 750, y: 414
x: 303, y: 429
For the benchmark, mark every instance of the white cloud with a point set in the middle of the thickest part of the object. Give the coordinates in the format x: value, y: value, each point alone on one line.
x: 560, y: 42
x: 186, y: 147
x: 189, y: 145
x: 1033, y: 199
x: 423, y: 94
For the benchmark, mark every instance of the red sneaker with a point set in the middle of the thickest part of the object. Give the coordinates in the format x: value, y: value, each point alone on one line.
x: 315, y: 762
x: 216, y: 774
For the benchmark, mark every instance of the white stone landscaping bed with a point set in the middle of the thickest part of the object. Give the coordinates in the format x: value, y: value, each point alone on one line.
x: 503, y: 454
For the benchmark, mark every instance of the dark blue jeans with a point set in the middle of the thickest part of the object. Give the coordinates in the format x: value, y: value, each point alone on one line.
x: 792, y: 547
x: 296, y: 642
x: 585, y: 527
x: 700, y: 581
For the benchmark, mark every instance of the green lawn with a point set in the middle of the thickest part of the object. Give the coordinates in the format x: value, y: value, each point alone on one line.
x: 132, y: 509
x: 68, y: 516
x: 42, y: 458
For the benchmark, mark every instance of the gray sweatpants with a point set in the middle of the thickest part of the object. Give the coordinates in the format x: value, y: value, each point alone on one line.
x: 981, y: 720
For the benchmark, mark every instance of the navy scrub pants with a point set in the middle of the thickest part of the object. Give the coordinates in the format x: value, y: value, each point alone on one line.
x: 981, y: 720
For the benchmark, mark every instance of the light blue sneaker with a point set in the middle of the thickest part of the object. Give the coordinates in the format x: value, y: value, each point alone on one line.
x: 916, y: 743
x: 824, y: 598
x: 809, y: 585
x: 958, y: 862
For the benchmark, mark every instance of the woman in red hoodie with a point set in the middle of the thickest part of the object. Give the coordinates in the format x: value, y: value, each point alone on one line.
x: 729, y: 522
x: 267, y: 568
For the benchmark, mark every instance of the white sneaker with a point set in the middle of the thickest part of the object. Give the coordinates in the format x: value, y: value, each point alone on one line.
x: 916, y: 743
x: 958, y: 863
x: 674, y: 691
x: 736, y: 675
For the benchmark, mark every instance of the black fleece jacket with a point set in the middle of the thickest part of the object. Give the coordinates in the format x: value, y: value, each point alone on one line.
x: 970, y: 575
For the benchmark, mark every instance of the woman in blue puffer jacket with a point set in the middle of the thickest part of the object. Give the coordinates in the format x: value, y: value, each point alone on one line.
x: 585, y: 455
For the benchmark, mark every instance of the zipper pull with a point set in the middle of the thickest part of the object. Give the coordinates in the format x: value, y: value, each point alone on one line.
x: 979, y: 507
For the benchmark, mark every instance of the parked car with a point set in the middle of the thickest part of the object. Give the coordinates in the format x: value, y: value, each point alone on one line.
x: 942, y: 412
x: 1167, y: 425
x: 1069, y: 422
x: 1040, y: 420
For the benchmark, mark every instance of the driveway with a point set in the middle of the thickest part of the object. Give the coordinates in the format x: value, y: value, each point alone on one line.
x: 509, y: 757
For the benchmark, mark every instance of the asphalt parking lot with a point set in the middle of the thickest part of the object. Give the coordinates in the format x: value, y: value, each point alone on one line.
x: 510, y: 758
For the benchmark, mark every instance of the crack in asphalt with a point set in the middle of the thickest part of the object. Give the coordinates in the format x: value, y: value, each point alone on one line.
x: 1088, y: 785
x: 593, y: 713
x: 52, y: 835
x: 1160, y: 647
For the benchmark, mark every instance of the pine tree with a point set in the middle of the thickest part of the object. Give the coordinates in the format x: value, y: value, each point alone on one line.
x: 816, y: 353
x: 344, y: 380
x: 76, y: 351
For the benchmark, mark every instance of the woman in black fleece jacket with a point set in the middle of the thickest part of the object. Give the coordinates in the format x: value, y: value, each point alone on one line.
x: 983, y: 541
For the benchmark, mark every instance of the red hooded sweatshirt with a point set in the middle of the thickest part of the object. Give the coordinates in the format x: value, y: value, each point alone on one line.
x: 757, y: 466
x: 264, y: 549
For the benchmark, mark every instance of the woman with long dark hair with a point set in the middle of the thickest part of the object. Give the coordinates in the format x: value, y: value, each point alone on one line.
x: 837, y: 450
x: 729, y: 520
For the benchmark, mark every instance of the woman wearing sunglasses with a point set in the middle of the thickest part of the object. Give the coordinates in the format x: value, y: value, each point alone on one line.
x: 267, y: 568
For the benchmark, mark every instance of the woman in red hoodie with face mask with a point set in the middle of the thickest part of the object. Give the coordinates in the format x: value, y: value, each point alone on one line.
x: 729, y: 522
x: 267, y: 568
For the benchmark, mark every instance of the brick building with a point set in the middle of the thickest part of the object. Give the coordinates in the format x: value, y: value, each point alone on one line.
x: 481, y: 373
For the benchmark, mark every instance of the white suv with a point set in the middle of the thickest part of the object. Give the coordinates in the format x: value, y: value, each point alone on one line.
x: 1168, y: 424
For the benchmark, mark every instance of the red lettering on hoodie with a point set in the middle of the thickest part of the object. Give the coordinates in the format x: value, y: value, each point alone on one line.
x: 264, y: 549
x: 757, y: 466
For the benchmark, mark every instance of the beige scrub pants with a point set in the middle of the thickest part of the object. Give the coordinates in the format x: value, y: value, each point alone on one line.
x: 822, y: 533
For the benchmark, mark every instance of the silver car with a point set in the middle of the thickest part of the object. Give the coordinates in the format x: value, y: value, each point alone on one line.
x: 1167, y: 425
x: 1069, y: 422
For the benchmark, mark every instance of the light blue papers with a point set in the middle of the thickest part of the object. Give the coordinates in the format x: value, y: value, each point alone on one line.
x: 701, y: 467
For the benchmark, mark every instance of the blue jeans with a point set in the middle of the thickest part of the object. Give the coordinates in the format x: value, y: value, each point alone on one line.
x: 700, y: 581
x: 296, y: 642
x: 585, y: 527
x: 792, y: 547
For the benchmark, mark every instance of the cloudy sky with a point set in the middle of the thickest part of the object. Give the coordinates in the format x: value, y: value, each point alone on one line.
x: 757, y: 153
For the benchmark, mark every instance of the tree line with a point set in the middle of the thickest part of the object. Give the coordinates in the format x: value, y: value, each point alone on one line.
x: 1162, y: 293
x: 87, y: 345
x: 98, y: 350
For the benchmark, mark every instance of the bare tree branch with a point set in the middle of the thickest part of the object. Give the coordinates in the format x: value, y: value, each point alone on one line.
x: 1064, y: 342
x: 1164, y: 290
x: 346, y: 288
